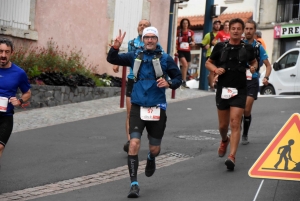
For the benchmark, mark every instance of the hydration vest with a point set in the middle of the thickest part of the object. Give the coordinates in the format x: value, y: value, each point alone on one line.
x: 242, y: 57
x: 181, y: 34
x: 131, y: 43
x: 155, y: 62
x: 257, y: 54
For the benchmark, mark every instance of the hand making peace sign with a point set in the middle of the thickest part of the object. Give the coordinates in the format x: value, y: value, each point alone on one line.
x: 119, y: 40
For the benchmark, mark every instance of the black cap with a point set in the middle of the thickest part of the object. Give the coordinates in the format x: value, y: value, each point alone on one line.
x: 217, y: 21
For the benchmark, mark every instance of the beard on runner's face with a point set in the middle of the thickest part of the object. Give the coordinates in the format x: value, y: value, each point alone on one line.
x: 3, y: 61
x: 249, y: 36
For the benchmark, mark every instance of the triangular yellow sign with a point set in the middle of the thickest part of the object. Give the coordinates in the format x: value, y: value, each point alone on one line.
x: 281, y: 158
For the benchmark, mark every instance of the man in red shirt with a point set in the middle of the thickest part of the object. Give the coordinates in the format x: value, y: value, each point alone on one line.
x: 185, y: 39
x: 222, y: 35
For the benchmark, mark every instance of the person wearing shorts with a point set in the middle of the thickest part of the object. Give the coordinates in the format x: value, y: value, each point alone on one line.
x: 229, y: 61
x: 14, y: 78
x: 148, y: 98
x: 133, y: 45
x: 207, y: 44
x: 185, y: 39
x: 253, y: 79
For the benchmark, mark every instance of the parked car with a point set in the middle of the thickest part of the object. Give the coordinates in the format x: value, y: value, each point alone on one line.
x: 285, y: 75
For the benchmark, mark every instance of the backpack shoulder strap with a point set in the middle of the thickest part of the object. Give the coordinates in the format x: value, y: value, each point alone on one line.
x: 137, y: 63
x: 257, y: 54
x: 212, y: 37
x: 132, y: 42
x: 189, y: 36
x: 156, y: 64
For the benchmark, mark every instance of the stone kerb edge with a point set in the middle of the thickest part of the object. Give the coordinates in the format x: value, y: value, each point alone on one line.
x: 48, y: 96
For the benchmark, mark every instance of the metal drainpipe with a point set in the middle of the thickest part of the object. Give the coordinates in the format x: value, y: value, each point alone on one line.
x: 170, y: 26
x: 203, y: 82
x: 170, y: 33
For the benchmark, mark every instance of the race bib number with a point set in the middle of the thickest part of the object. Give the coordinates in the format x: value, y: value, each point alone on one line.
x: 248, y: 74
x: 3, y: 104
x: 184, y: 46
x: 150, y: 113
x: 228, y: 92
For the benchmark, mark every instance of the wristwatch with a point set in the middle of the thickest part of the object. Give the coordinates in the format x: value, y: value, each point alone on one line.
x: 21, y: 101
x: 169, y: 82
x: 267, y: 78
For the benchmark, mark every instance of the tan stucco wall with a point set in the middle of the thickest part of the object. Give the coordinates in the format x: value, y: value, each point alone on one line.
x: 88, y: 26
x: 267, y: 35
x: 77, y: 23
x: 159, y: 17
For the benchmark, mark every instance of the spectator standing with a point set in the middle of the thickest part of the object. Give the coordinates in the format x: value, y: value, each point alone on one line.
x: 258, y: 37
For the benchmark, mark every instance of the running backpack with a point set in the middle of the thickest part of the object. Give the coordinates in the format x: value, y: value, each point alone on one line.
x: 242, y: 56
x: 156, y: 65
x: 257, y: 54
x: 181, y: 34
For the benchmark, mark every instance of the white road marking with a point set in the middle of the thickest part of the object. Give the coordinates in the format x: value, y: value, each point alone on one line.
x: 89, y: 180
x: 261, y: 183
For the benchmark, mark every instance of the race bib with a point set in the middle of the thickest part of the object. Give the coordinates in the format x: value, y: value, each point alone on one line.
x: 248, y: 74
x: 3, y: 104
x: 150, y: 113
x: 184, y: 46
x: 228, y: 92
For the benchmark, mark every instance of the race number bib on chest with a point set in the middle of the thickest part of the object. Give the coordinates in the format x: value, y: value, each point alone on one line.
x: 3, y: 104
x: 184, y: 45
x: 150, y: 113
x: 228, y: 92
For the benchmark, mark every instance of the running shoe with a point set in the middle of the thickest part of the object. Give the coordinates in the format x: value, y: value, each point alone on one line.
x: 230, y: 162
x: 126, y: 146
x: 150, y: 167
x: 223, y: 147
x: 184, y: 85
x: 134, y: 191
x: 245, y: 140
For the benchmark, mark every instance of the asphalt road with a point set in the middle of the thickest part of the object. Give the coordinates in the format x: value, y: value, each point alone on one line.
x: 61, y: 152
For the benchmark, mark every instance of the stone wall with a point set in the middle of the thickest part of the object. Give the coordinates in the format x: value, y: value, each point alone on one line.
x: 48, y: 96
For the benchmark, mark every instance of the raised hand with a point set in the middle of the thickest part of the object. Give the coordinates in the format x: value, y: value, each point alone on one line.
x: 119, y: 40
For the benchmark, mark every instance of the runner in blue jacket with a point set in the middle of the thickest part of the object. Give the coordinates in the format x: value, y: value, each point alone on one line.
x: 151, y: 66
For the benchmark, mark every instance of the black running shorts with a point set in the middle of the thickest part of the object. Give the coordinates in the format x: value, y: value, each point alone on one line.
x: 185, y: 54
x: 253, y: 88
x: 236, y: 101
x: 129, y: 87
x: 155, y: 129
x: 6, y: 126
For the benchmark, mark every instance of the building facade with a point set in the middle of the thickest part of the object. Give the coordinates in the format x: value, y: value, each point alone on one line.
x: 280, y: 22
x: 87, y: 25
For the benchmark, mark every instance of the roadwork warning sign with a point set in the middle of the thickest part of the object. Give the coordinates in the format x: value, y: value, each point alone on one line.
x: 281, y: 158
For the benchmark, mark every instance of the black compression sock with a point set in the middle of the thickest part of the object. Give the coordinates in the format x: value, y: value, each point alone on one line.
x: 133, y: 164
x: 247, y: 122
